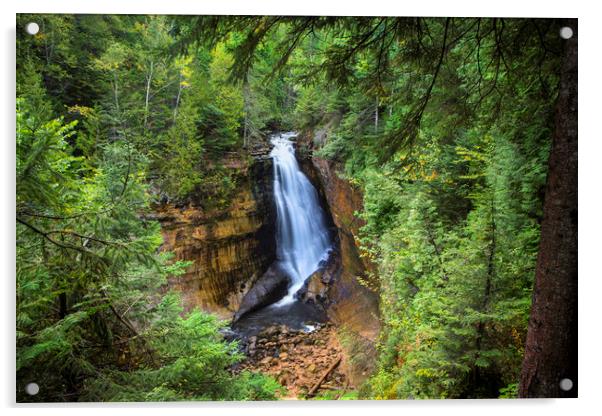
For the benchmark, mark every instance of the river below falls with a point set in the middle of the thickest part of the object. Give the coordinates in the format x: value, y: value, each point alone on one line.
x: 296, y: 315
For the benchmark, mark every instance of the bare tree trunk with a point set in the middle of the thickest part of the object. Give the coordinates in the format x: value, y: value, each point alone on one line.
x: 245, y: 132
x: 245, y: 93
x: 551, y: 347
x: 115, y: 91
x: 46, y: 50
x: 114, y: 128
x: 175, y: 110
x: 376, y: 116
x: 148, y: 85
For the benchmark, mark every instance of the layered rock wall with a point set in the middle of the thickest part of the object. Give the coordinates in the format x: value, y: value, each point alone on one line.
x: 230, y: 247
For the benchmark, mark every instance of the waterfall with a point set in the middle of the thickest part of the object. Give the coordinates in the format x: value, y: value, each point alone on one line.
x: 301, y: 234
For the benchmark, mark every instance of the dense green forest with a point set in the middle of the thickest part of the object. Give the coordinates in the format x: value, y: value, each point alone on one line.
x: 445, y: 125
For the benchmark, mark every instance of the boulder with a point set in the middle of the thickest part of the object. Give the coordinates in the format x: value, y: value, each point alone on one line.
x: 316, y: 287
x: 269, y: 288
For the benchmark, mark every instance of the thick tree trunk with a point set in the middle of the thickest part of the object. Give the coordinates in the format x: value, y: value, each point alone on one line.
x: 551, y: 348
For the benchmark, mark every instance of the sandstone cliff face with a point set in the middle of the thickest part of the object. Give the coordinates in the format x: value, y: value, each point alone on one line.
x: 230, y: 248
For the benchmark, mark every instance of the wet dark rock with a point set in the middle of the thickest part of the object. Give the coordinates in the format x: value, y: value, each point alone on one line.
x: 316, y: 287
x: 269, y: 288
x: 228, y: 334
x: 270, y: 331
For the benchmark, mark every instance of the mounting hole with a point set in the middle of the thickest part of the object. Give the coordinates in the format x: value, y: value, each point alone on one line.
x: 566, y: 32
x: 566, y: 384
x: 32, y: 28
x: 32, y: 389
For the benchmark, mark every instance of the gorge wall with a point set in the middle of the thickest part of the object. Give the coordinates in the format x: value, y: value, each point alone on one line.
x: 230, y: 247
x: 352, y: 303
x: 352, y: 298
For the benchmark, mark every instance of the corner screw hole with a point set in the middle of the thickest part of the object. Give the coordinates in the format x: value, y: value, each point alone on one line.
x: 32, y: 28
x: 566, y: 32
x: 566, y: 384
x: 32, y: 389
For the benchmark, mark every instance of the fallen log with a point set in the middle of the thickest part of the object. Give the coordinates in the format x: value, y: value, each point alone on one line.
x: 342, y: 392
x: 316, y: 386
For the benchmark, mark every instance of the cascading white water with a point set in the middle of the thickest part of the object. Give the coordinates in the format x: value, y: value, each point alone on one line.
x: 301, y: 234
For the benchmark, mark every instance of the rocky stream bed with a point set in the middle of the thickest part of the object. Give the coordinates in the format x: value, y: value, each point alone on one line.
x: 306, y: 363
